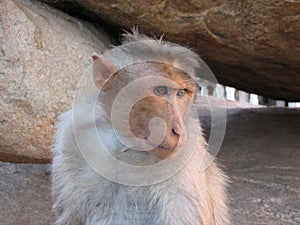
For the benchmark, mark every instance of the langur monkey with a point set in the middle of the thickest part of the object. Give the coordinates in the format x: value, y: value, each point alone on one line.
x: 82, y: 196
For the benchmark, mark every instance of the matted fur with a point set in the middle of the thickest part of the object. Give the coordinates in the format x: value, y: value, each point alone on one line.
x: 82, y: 197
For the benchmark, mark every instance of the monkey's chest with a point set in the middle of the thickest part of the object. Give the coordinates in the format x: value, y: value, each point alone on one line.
x: 147, y: 206
x: 134, y: 208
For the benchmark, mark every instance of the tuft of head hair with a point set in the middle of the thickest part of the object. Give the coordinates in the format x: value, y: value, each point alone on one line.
x: 139, y: 47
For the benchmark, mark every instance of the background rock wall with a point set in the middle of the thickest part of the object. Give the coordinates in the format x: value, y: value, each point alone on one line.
x: 251, y: 45
x: 43, y: 54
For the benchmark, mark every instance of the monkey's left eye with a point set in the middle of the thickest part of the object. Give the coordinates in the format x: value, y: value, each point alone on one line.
x: 181, y: 92
x: 161, y: 90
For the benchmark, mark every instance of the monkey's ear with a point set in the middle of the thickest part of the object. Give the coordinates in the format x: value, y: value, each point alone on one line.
x: 102, y: 69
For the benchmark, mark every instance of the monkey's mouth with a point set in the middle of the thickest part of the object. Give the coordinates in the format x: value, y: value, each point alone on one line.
x: 166, y: 148
x: 161, y: 147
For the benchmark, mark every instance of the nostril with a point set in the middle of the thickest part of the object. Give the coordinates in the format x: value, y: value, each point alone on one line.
x: 176, y: 130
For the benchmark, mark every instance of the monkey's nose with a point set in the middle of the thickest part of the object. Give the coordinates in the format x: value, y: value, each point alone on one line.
x: 176, y: 129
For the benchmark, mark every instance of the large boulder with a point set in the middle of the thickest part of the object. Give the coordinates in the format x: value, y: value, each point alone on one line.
x: 251, y: 45
x: 43, y: 54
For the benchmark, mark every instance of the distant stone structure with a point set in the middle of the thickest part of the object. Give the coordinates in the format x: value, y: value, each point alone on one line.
x: 209, y: 88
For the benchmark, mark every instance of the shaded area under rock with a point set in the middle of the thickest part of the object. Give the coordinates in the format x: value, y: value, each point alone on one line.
x: 250, y: 45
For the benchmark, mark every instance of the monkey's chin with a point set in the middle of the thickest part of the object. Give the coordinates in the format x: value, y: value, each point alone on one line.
x: 163, y: 152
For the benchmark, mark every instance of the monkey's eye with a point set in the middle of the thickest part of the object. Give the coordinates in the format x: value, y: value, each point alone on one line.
x: 161, y: 90
x: 181, y: 92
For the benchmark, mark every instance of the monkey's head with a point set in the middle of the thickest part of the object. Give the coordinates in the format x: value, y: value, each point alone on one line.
x: 160, y: 90
x: 162, y: 87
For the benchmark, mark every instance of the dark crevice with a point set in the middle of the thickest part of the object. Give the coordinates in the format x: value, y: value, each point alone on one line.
x: 76, y: 10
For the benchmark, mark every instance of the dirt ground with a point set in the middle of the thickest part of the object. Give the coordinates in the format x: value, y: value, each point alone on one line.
x: 260, y: 153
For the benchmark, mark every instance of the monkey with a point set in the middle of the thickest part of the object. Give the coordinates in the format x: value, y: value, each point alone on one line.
x: 188, y: 196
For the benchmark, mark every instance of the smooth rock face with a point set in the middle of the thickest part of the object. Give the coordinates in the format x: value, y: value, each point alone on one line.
x: 43, y: 54
x: 251, y: 45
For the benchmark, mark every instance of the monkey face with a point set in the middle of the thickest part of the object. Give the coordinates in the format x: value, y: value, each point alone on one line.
x: 171, y: 103
x: 168, y: 95
x: 152, y: 107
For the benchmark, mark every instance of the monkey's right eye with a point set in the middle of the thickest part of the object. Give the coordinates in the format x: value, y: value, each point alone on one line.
x: 161, y: 90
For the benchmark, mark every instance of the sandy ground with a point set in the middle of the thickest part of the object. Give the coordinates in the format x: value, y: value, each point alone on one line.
x: 260, y: 153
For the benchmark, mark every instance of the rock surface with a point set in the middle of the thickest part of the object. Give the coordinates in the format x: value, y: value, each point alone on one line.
x: 251, y: 45
x: 25, y: 194
x: 260, y: 154
x: 43, y: 54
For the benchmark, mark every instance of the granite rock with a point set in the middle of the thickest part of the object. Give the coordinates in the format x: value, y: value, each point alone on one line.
x: 43, y: 54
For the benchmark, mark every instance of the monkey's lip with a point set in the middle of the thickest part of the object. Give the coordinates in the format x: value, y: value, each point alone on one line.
x: 166, y: 148
x: 161, y: 146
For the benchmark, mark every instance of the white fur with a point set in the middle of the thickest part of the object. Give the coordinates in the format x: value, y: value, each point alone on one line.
x: 82, y: 197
